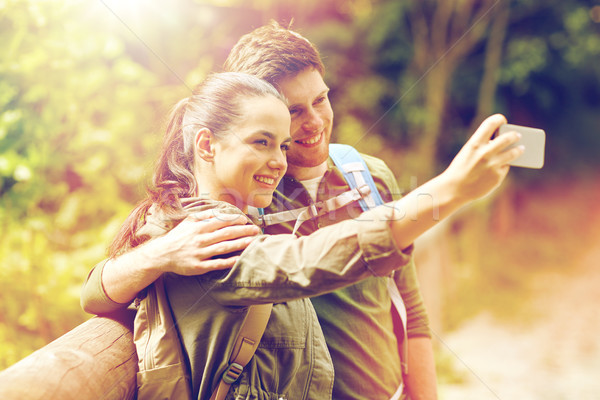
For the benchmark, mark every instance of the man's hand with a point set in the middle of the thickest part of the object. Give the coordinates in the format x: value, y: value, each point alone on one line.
x: 482, y: 164
x: 189, y: 247
x: 478, y: 168
x: 186, y: 250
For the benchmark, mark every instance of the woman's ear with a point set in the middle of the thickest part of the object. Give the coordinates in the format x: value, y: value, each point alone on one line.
x: 205, y: 141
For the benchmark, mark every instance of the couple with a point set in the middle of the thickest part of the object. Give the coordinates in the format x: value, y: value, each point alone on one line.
x: 227, y: 147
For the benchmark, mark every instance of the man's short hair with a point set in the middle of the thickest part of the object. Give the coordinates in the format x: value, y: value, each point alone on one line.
x: 272, y: 53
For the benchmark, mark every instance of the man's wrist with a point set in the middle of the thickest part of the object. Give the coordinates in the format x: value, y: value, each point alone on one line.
x: 151, y: 258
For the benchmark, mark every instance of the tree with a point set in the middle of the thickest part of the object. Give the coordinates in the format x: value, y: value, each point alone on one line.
x: 63, y: 85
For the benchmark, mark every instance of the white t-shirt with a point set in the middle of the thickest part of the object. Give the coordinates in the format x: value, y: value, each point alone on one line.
x: 312, y: 186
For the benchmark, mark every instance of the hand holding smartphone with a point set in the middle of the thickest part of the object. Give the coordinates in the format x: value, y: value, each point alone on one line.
x: 533, y: 140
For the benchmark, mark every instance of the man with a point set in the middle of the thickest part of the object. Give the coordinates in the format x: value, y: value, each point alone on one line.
x: 356, y: 321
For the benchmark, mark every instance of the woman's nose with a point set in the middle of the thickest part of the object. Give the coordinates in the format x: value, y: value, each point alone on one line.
x: 278, y: 161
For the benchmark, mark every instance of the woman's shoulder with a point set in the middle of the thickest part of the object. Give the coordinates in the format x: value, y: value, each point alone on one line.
x: 197, y: 204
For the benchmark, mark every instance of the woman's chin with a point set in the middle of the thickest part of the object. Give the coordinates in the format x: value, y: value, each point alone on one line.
x: 262, y: 200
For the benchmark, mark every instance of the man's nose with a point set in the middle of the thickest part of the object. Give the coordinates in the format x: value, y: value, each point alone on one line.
x: 312, y: 121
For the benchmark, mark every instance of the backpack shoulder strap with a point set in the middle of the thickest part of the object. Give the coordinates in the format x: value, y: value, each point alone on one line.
x: 399, y: 306
x: 245, y: 345
x: 355, y: 172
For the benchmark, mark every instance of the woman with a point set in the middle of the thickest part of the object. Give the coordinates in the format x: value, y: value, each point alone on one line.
x: 225, y: 149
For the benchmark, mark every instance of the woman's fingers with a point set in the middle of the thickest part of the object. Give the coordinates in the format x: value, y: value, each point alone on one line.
x: 500, y: 148
x: 501, y: 142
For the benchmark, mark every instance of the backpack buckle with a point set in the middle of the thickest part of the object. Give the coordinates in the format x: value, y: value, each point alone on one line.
x: 316, y: 209
x: 232, y: 373
x: 364, y: 191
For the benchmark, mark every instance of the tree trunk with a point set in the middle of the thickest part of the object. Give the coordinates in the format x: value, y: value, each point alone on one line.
x: 493, y: 58
x: 444, y: 32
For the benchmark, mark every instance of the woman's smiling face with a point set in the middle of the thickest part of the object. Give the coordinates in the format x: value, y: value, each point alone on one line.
x: 250, y: 159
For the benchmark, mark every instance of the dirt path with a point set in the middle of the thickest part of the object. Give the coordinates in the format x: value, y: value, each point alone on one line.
x: 553, y: 357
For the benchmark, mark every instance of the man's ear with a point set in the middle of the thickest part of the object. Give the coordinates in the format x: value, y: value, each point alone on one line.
x: 205, y: 142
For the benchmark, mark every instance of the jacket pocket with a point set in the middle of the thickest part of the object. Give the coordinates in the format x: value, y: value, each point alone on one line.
x: 163, y: 383
x: 288, y: 326
x: 163, y: 371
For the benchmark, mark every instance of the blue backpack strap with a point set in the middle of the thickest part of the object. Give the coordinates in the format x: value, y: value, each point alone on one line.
x: 356, y: 173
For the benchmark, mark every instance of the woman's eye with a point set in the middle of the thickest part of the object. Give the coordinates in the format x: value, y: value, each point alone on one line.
x: 294, y: 111
x: 320, y: 100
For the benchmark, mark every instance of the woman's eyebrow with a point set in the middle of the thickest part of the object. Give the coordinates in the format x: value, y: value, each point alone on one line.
x: 266, y: 133
x: 271, y: 136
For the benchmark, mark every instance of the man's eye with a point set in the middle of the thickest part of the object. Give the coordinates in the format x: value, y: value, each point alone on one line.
x: 262, y: 142
x: 285, y: 147
x: 294, y: 111
x: 320, y: 100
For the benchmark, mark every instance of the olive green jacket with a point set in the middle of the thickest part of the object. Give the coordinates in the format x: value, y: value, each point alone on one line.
x: 292, y: 360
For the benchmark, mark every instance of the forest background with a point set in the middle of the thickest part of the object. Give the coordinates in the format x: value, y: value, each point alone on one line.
x: 85, y: 87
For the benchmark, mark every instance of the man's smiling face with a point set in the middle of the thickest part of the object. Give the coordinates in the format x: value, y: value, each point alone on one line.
x: 312, y: 118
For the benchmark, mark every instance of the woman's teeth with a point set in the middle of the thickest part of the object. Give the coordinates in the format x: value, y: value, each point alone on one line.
x: 264, y: 179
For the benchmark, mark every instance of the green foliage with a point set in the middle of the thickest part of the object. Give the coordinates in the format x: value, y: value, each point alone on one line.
x: 549, y: 79
x: 548, y: 76
x: 499, y: 251
x: 85, y: 86
x: 84, y: 90
x: 74, y: 147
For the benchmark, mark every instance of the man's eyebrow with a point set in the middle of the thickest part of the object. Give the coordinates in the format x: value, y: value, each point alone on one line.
x: 322, y: 93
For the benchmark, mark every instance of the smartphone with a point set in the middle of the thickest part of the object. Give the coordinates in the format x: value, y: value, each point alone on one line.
x: 534, y: 141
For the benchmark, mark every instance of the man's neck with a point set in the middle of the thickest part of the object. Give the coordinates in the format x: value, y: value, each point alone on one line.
x: 304, y: 173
